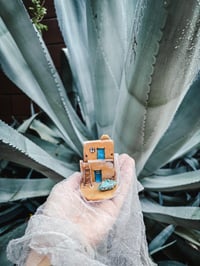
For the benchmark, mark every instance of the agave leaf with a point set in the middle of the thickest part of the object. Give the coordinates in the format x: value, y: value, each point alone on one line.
x: 192, y: 236
x: 162, y: 247
x: 90, y: 28
x: 170, y: 171
x: 157, y: 243
x: 183, y: 181
x: 196, y: 201
x: 44, y: 131
x: 183, y: 216
x: 40, y: 81
x: 57, y: 151
x: 12, y: 189
x: 15, y: 233
x: 25, y: 125
x: 180, y: 251
x: 160, y: 69
x: 45, y: 128
x: 17, y: 148
x: 192, y: 162
x: 11, y: 213
x: 50, y: 139
x: 11, y: 225
x: 189, y: 252
x: 183, y: 133
x: 69, y: 14
x: 171, y: 263
x: 108, y: 39
x: 169, y: 200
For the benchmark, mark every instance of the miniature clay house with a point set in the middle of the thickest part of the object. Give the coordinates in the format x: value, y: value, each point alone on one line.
x: 98, y: 165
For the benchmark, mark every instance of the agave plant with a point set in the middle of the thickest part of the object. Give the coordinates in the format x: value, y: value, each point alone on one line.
x: 135, y: 71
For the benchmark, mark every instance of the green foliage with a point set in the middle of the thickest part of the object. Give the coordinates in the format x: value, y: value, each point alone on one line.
x: 38, y: 11
x: 135, y: 69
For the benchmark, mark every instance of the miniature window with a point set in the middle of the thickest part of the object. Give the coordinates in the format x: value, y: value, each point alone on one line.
x: 100, y: 153
x: 98, y: 176
x: 92, y: 150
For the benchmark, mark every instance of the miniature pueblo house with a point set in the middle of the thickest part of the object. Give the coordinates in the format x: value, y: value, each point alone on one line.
x: 97, y: 165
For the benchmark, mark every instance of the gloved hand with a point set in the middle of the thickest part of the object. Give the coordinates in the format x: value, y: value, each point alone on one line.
x: 68, y: 230
x: 65, y: 202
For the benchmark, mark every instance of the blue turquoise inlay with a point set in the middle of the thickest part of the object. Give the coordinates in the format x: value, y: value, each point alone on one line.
x: 98, y: 176
x: 100, y: 153
x: 107, y: 184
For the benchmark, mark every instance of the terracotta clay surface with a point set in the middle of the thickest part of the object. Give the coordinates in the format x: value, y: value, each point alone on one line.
x: 92, y: 193
x: 98, y: 165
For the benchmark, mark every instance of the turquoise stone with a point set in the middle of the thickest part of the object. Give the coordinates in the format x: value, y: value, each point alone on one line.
x: 107, y: 184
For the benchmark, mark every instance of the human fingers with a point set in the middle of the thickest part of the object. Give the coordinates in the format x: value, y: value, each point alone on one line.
x: 126, y: 163
x: 70, y: 183
x: 127, y: 178
x: 63, y: 197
